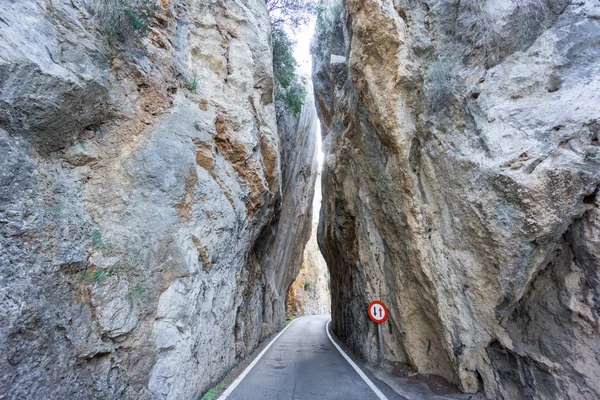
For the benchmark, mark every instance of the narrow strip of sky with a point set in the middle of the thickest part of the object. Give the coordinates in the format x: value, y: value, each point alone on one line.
x: 302, y: 51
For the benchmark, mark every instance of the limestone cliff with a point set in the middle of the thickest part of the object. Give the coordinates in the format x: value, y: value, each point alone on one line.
x: 460, y: 187
x: 152, y: 214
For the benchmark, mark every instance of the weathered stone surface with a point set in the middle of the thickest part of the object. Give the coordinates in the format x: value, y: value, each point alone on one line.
x: 460, y: 187
x: 294, y: 222
x: 146, y: 263
x: 81, y: 153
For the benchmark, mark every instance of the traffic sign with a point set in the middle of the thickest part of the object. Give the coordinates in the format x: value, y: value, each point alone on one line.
x: 378, y: 312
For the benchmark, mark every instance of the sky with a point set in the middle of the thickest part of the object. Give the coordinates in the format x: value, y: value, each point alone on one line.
x: 302, y: 50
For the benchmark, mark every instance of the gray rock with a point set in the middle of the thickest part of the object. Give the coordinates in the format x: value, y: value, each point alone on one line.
x: 148, y: 234
x: 52, y: 75
x: 460, y: 172
x: 81, y: 153
x: 113, y: 306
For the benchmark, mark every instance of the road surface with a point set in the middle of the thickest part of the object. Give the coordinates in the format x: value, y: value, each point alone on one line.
x: 303, y: 364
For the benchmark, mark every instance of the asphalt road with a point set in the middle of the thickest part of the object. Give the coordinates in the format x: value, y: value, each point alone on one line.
x: 303, y: 364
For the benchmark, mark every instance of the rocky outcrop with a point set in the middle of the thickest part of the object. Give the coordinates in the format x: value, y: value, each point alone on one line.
x: 460, y: 187
x: 309, y: 294
x: 284, y: 240
x: 152, y: 214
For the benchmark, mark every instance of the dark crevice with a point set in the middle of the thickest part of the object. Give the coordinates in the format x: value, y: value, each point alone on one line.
x: 590, y: 199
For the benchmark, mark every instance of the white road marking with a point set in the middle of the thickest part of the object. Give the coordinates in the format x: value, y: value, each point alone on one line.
x: 239, y: 379
x: 356, y: 368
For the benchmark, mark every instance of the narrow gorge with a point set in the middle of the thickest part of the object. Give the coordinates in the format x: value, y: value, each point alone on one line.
x: 163, y: 210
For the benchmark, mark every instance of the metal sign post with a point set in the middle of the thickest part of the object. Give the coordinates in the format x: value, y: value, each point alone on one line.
x: 380, y: 343
x: 379, y: 314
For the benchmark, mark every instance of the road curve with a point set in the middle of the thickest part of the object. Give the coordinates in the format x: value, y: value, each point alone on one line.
x: 303, y: 364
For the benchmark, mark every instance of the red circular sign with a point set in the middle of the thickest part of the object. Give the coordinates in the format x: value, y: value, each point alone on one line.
x: 378, y: 312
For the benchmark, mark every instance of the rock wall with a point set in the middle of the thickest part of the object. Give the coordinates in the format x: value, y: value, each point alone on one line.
x: 309, y: 294
x: 152, y: 214
x: 460, y: 187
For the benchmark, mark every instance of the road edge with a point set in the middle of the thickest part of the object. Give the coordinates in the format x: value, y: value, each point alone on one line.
x: 364, y: 377
x: 241, y: 377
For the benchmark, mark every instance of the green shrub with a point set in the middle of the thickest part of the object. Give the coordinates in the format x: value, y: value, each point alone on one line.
x: 306, y: 285
x: 290, y: 100
x: 214, y: 392
x: 290, y: 13
x: 289, y: 90
x: 194, y: 84
x: 124, y: 20
x: 284, y: 63
x: 97, y: 239
x: 100, y: 275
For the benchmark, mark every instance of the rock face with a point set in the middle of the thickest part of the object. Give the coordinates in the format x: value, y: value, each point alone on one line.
x: 460, y: 188
x: 152, y: 213
x: 309, y: 294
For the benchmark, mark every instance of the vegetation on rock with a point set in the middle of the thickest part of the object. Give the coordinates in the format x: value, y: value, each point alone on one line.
x: 329, y: 14
x: 329, y: 19
x: 290, y: 13
x: 289, y: 89
x: 124, y: 20
x: 97, y: 242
